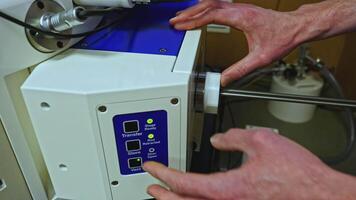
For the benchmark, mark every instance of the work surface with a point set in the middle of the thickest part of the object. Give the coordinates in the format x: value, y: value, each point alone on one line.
x: 145, y: 29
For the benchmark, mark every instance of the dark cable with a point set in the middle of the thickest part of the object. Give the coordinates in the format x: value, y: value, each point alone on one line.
x: 240, y: 83
x: 325, y: 72
x: 254, y: 74
x: 220, y: 121
x: 59, y: 35
x: 230, y: 154
x: 348, y: 114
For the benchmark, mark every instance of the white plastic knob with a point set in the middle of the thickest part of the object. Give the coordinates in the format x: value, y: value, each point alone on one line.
x: 212, y: 92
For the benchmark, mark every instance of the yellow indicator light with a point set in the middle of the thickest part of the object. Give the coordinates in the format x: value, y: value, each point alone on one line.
x: 151, y: 136
x: 149, y: 121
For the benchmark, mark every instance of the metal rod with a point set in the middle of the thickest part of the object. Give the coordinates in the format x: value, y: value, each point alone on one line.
x: 291, y: 98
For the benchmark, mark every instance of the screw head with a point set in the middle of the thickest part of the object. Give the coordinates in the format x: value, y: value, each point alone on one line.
x: 102, y: 109
x: 163, y: 50
x: 40, y: 5
x: 60, y: 44
x: 174, y: 101
x: 115, y: 183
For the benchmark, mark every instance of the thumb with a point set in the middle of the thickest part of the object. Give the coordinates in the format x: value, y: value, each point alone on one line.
x: 235, y: 140
x: 251, y: 62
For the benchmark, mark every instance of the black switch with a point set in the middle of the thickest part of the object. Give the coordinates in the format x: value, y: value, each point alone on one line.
x: 133, y: 145
x: 131, y: 126
x: 135, y: 162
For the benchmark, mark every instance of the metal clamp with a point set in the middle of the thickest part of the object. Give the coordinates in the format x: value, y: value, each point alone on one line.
x: 62, y: 21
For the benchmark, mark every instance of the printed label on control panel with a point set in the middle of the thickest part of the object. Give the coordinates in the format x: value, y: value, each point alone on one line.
x: 141, y: 137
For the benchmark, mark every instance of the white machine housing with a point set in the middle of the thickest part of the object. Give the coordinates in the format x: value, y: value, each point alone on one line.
x: 64, y: 96
x: 17, y: 57
x: 158, y: 77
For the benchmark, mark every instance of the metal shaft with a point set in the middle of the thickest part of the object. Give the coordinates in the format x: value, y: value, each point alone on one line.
x: 291, y: 98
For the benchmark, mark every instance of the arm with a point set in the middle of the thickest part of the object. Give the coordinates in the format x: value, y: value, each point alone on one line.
x: 277, y: 168
x: 270, y: 34
x: 328, y: 18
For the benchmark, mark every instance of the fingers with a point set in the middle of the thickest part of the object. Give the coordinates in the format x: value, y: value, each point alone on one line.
x: 235, y: 140
x: 228, y: 17
x: 187, y: 184
x: 193, y: 11
x: 251, y: 62
x: 161, y: 193
x: 198, y: 21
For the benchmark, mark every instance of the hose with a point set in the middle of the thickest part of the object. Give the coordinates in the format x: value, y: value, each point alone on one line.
x: 329, y: 77
x: 348, y: 114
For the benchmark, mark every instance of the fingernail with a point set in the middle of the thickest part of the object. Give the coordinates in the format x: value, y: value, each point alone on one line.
x: 173, y: 19
x: 214, y: 139
x: 224, y: 81
x: 144, y: 167
x: 178, y: 27
x: 149, y: 190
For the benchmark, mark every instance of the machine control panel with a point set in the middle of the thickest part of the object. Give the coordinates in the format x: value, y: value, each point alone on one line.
x: 141, y: 137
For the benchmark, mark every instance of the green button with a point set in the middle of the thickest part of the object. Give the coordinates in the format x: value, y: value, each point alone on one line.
x: 151, y: 136
x: 149, y: 121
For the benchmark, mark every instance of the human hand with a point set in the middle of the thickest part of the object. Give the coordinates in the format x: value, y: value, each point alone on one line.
x: 270, y: 34
x: 277, y: 168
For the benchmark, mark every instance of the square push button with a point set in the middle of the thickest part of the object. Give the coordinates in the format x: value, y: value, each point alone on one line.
x: 135, y: 162
x: 131, y: 126
x: 133, y: 145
